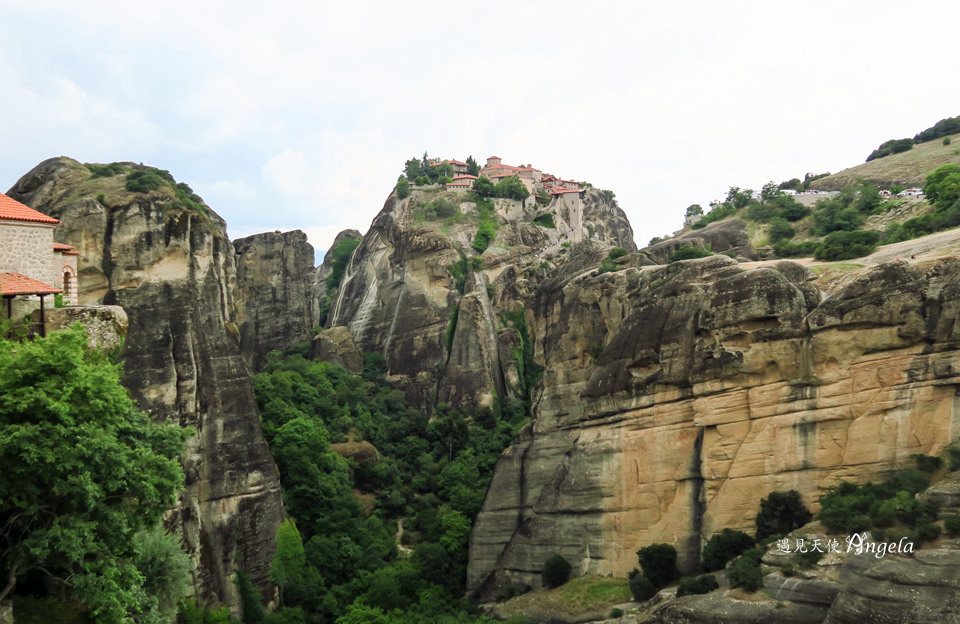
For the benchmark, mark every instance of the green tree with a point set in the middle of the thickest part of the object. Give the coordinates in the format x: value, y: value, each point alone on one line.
x: 942, y: 187
x: 289, y: 562
x: 770, y: 191
x: 780, y: 513
x: 659, y: 563
x: 484, y: 186
x: 779, y: 230
x: 512, y: 188
x: 403, y: 188
x: 694, y: 210
x: 165, y: 568
x: 411, y: 169
x: 81, y: 471
x: 472, y: 167
x: 738, y: 197
x: 723, y: 547
x: 556, y: 571
x: 745, y: 570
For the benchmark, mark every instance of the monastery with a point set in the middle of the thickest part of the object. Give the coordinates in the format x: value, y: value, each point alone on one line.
x: 32, y: 265
x: 567, y: 195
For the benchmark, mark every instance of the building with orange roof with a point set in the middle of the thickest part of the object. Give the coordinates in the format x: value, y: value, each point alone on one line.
x: 32, y: 265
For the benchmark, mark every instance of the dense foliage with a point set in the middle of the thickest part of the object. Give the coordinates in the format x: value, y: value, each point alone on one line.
x: 511, y: 188
x: 487, y: 227
x: 780, y: 513
x: 849, y: 508
x: 339, y: 256
x: 556, y: 571
x: 893, y: 146
x: 703, y: 584
x: 688, y: 252
x: 428, y: 474
x: 723, y: 547
x: 608, y: 264
x: 83, y: 472
x: 944, y: 127
x: 659, y: 564
x: 745, y: 570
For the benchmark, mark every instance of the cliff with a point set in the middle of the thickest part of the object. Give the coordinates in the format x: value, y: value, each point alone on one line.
x: 418, y: 292
x: 165, y: 258
x: 278, y: 303
x: 676, y: 397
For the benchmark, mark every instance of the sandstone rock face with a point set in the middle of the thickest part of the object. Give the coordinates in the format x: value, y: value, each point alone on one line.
x: 336, y: 345
x: 917, y: 590
x: 727, y: 237
x: 444, y: 340
x: 675, y: 397
x: 173, y: 271
x: 278, y: 303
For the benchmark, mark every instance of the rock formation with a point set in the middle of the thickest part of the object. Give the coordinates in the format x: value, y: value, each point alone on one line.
x: 277, y: 300
x: 169, y: 264
x: 676, y: 397
x: 418, y: 293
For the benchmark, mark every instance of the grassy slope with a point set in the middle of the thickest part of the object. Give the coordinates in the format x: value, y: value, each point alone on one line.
x: 908, y: 168
x: 578, y: 596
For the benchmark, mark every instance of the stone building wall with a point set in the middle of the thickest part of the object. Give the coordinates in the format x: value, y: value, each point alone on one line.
x: 27, y: 248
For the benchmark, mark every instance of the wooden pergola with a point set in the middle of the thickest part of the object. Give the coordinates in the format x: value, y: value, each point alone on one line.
x: 16, y: 284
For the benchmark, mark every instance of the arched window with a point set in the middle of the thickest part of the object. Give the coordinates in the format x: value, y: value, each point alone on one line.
x: 67, y: 284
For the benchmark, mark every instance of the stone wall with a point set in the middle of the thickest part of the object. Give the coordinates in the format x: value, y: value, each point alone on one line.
x: 27, y: 248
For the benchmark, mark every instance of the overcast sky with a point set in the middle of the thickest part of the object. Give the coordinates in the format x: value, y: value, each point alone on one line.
x: 299, y: 115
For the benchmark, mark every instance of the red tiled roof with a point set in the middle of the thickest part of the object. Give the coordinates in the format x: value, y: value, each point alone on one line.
x: 14, y: 210
x: 19, y: 284
x: 457, y: 162
x: 559, y: 190
x: 62, y: 247
x: 465, y: 177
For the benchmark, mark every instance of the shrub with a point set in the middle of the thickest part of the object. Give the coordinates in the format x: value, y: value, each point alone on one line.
x: 780, y: 230
x: 403, y: 188
x: 809, y: 558
x: 928, y: 532
x: 787, y: 249
x: 642, y: 588
x: 911, y: 481
x: 703, y: 584
x: 437, y: 209
x: 145, y: 180
x: 724, y: 547
x: 927, y: 463
x: 780, y: 513
x: 952, y: 525
x: 687, y: 252
x: 843, y: 245
x: 942, y: 187
x: 794, y: 211
x: 745, y: 571
x: 717, y: 212
x: 617, y: 252
x: 545, y: 220
x: 608, y: 265
x: 105, y: 171
x: 616, y: 613
x: 556, y: 571
x: 486, y: 232
x: 659, y: 563
x: 893, y: 146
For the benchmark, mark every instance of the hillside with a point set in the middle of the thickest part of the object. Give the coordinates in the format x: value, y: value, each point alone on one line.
x: 908, y: 169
